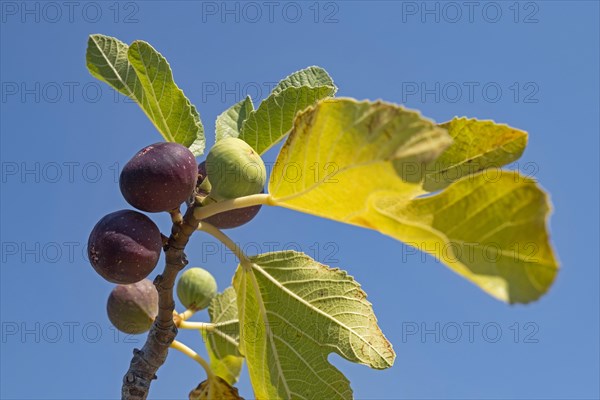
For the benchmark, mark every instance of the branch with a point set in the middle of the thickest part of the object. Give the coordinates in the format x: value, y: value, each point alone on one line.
x: 146, y: 362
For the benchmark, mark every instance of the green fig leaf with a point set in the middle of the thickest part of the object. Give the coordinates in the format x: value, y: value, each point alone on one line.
x: 143, y: 74
x: 222, y: 342
x: 230, y: 122
x: 311, y: 77
x: 294, y: 312
x: 273, y: 119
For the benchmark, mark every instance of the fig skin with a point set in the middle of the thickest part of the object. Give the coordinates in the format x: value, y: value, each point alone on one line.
x: 234, y: 170
x: 124, y: 246
x: 233, y: 218
x: 159, y: 177
x: 196, y: 288
x: 133, y: 308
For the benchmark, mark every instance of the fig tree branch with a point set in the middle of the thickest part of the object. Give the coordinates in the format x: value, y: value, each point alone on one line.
x: 146, y: 362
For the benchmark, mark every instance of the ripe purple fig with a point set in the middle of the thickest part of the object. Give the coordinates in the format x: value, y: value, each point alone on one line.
x: 159, y: 177
x: 124, y: 246
x: 233, y: 218
x: 133, y: 308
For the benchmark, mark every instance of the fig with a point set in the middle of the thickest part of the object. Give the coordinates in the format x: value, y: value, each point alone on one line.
x: 233, y: 218
x: 228, y: 219
x: 234, y: 170
x: 124, y: 246
x: 196, y: 288
x: 132, y: 308
x: 159, y: 177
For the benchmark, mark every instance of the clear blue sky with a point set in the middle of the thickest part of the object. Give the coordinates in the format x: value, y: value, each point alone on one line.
x: 533, y: 65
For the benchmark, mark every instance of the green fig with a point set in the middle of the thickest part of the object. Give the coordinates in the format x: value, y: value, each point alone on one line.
x: 133, y: 308
x: 234, y: 170
x: 196, y: 288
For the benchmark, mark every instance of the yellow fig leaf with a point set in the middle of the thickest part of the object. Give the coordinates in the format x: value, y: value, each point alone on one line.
x: 477, y: 145
x: 377, y: 156
x: 215, y: 389
x: 488, y: 228
x: 341, y: 151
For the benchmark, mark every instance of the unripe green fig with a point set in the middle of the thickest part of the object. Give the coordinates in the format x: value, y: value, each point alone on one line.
x: 159, y: 177
x: 234, y: 170
x: 196, y: 288
x: 133, y: 308
x: 228, y: 219
x: 124, y: 246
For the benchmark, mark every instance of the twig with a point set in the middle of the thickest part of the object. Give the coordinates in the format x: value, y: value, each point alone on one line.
x: 177, y: 345
x: 226, y: 205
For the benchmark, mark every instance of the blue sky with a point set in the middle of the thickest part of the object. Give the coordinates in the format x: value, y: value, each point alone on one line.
x: 533, y: 65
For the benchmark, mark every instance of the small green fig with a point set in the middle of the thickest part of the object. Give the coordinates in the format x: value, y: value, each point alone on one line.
x: 196, y: 288
x: 132, y: 308
x: 234, y: 170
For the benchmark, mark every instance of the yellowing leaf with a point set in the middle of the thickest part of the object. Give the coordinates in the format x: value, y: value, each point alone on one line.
x: 215, y: 389
x: 222, y: 342
x: 477, y: 145
x: 341, y: 151
x: 293, y: 313
x: 490, y: 226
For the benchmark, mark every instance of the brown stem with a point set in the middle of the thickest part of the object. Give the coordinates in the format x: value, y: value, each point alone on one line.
x: 146, y: 362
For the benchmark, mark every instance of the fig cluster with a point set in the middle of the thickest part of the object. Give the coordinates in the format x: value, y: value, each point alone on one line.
x: 124, y: 246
